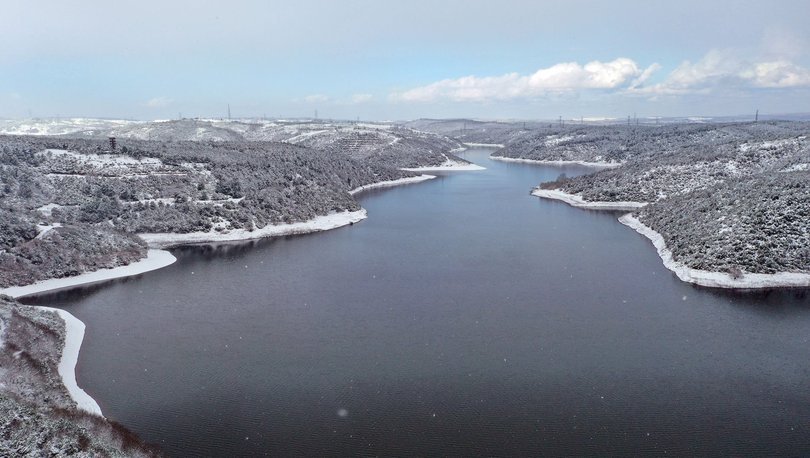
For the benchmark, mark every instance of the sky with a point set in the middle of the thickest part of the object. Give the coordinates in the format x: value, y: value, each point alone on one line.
x: 396, y: 60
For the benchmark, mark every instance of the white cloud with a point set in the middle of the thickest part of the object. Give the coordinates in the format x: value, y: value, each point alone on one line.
x: 158, y: 102
x: 316, y: 98
x: 717, y: 71
x: 724, y: 70
x: 563, y: 77
x: 361, y: 98
x: 777, y: 74
x: 645, y: 75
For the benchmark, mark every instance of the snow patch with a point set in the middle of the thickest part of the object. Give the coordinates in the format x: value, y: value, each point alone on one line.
x: 305, y: 135
x: 47, y: 210
x: 796, y: 168
x: 711, y: 278
x: 485, y: 145
x: 220, y: 202
x: 155, y: 259
x: 375, y: 126
x: 447, y: 166
x: 554, y: 140
x: 771, y: 144
x: 45, y: 228
x: 158, y: 201
x: 598, y: 119
x: 105, y: 160
x: 74, y: 334
x: 577, y: 201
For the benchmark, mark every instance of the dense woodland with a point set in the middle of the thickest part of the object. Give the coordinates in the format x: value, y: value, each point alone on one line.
x: 760, y: 224
x: 69, y: 204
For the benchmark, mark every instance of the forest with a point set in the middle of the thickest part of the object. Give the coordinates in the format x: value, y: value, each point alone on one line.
x: 70, y: 204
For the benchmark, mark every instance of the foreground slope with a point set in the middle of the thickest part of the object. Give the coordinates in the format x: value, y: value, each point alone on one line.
x: 38, y: 416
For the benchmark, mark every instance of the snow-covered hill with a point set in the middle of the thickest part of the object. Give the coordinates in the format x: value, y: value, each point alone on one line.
x: 725, y: 198
x: 385, y: 144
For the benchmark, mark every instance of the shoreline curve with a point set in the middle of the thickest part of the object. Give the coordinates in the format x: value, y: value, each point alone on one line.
x: 714, y: 279
x: 390, y: 183
x: 317, y: 224
x: 74, y: 335
x: 155, y: 259
x: 575, y: 200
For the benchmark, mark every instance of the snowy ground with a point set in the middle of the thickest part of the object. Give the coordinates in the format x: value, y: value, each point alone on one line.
x: 155, y: 259
x: 317, y: 224
x: 714, y: 279
x: 43, y: 229
x: 577, y: 201
x: 105, y: 160
x: 47, y: 210
x: 74, y: 334
x: 447, y: 166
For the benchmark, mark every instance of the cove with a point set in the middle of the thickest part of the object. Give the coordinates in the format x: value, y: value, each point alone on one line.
x: 463, y: 317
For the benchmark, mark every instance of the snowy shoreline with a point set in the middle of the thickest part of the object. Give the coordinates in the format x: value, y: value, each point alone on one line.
x: 155, y: 259
x: 577, y: 201
x: 317, y: 224
x: 390, y: 183
x: 448, y: 166
x: 711, y: 278
x: 74, y: 335
x: 599, y: 165
x: 484, y: 145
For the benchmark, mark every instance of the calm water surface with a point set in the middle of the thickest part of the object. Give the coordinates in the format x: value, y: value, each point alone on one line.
x: 463, y: 317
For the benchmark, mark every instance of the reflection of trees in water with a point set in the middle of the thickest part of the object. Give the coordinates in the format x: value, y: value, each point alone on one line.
x: 776, y: 301
x: 75, y: 293
x: 216, y: 251
x: 208, y: 252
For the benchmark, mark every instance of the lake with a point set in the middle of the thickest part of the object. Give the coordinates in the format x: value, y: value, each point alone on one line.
x: 463, y: 317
